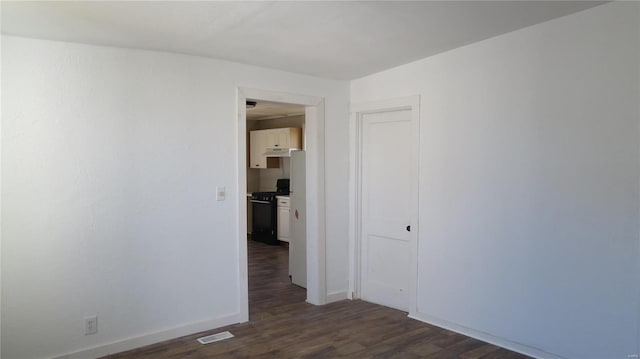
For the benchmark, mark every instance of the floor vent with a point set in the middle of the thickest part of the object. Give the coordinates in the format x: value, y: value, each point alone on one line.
x: 215, y: 338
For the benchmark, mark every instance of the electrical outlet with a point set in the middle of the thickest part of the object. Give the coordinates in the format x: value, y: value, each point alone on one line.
x: 220, y: 193
x: 90, y: 325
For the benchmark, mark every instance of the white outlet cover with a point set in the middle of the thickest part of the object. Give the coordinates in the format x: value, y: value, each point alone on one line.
x: 220, y: 193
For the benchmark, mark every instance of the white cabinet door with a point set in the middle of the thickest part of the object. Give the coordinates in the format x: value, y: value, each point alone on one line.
x: 257, y: 143
x: 272, y: 138
x: 277, y: 137
x: 283, y: 222
x: 283, y: 137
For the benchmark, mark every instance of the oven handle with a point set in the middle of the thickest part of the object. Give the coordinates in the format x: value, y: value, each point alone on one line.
x: 256, y: 201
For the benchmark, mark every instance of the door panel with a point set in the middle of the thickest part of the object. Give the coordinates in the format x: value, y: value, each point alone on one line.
x: 388, y: 264
x: 298, y: 220
x: 388, y: 172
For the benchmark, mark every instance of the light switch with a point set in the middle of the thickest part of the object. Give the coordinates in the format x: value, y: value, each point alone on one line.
x: 220, y: 193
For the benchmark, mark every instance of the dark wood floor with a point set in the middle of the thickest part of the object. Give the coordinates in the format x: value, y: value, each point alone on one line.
x: 282, y: 325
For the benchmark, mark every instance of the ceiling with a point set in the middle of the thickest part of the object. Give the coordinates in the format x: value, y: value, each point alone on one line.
x: 338, y: 40
x: 267, y: 110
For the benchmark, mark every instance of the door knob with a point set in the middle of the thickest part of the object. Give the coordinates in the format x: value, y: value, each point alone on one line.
x: 408, y: 228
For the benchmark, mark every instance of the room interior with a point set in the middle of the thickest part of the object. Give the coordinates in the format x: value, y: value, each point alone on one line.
x: 123, y: 201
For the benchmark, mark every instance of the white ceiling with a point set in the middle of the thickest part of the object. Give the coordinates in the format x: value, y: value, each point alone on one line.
x: 267, y: 110
x: 340, y: 40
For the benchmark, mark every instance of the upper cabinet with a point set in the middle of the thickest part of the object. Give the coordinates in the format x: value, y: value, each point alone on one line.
x: 283, y: 137
x: 261, y: 140
x: 257, y: 146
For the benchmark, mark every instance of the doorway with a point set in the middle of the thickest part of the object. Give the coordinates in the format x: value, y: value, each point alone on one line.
x: 385, y: 170
x: 314, y: 190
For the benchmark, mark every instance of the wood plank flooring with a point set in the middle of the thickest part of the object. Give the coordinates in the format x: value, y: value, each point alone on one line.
x: 282, y: 325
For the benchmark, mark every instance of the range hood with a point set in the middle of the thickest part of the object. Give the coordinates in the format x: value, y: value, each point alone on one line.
x: 279, y: 151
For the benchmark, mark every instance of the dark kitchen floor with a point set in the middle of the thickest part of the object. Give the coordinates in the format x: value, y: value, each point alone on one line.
x: 282, y: 325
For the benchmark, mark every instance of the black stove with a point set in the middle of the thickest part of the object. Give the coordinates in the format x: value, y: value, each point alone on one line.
x: 264, y: 206
x: 264, y: 196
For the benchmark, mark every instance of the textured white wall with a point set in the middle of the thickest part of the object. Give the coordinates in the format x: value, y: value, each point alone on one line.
x: 529, y: 207
x: 110, y: 162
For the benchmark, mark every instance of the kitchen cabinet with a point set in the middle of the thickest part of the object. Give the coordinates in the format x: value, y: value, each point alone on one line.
x: 257, y: 142
x: 284, y: 137
x: 257, y: 148
x: 261, y: 140
x: 283, y: 218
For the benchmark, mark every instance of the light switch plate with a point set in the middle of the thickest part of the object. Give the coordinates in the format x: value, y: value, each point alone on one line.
x: 220, y: 193
x: 91, y: 325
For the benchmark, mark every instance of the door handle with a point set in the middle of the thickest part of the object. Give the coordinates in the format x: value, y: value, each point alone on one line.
x: 408, y: 228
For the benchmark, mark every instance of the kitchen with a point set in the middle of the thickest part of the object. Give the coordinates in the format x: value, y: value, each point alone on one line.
x: 276, y: 183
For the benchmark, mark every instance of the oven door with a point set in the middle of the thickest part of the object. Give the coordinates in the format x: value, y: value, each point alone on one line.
x: 264, y: 221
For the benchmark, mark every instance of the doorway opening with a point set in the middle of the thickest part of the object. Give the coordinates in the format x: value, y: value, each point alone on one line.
x: 281, y: 204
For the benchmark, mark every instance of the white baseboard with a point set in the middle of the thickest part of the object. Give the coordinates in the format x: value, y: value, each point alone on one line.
x: 485, y: 337
x: 147, y: 339
x: 336, y: 296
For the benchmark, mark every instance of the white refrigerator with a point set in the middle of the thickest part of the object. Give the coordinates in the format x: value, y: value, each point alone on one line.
x: 298, y: 220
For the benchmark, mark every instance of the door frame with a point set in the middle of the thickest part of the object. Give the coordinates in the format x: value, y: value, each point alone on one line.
x: 411, y: 103
x: 315, y: 183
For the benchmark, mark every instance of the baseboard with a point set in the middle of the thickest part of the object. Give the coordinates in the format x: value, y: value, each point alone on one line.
x: 152, y: 338
x: 336, y: 296
x: 485, y: 337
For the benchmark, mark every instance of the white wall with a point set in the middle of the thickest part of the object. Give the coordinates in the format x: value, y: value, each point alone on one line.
x: 269, y: 176
x: 529, y: 183
x: 110, y: 161
x: 281, y: 122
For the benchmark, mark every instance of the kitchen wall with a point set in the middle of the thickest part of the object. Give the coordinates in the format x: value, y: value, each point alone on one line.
x: 110, y: 159
x: 529, y: 184
x: 281, y: 122
x: 269, y: 176
x: 253, y: 180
